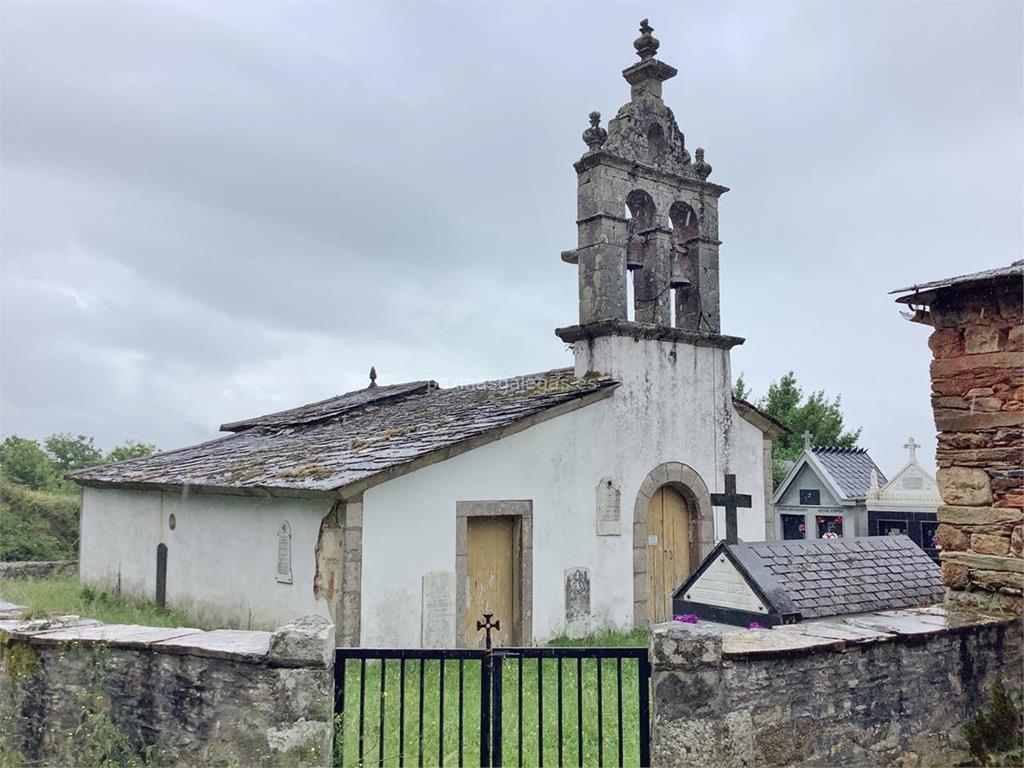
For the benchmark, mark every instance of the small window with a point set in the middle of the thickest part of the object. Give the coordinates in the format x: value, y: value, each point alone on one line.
x: 892, y: 527
x: 794, y: 527
x: 810, y: 498
x: 829, y: 526
x: 930, y: 537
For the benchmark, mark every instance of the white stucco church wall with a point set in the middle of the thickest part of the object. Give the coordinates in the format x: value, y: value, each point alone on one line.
x: 670, y: 407
x: 222, y: 553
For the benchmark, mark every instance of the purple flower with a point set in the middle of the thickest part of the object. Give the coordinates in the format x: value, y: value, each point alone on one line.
x: 754, y: 625
x: 688, y: 618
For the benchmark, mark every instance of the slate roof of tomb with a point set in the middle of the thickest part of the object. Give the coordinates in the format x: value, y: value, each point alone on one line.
x: 339, y: 442
x: 849, y: 468
x: 822, y: 577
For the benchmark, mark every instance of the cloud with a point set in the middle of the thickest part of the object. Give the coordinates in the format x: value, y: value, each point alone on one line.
x: 215, y: 210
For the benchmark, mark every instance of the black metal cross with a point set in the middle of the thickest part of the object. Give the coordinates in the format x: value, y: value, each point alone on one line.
x: 731, y: 501
x: 488, y: 625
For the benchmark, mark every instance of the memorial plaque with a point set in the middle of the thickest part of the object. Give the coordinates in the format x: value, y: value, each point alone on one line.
x: 284, y: 553
x: 577, y: 594
x: 438, y: 611
x: 608, y: 508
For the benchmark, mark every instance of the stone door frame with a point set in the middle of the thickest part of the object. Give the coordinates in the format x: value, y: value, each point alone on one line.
x: 689, y: 483
x: 522, y: 511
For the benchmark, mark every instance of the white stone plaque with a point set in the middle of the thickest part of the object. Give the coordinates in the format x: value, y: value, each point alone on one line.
x: 438, y: 614
x: 608, y: 508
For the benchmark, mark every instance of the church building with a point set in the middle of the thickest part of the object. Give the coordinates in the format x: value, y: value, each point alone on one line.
x: 561, y: 502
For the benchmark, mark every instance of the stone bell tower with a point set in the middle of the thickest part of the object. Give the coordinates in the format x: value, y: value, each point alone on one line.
x: 646, y: 213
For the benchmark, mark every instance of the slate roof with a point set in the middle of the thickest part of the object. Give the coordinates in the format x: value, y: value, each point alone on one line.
x: 336, y: 443
x: 1014, y: 269
x: 821, y: 577
x: 849, y: 468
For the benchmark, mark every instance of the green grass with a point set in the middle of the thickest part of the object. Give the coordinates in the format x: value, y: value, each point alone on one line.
x: 59, y: 595
x: 537, y: 684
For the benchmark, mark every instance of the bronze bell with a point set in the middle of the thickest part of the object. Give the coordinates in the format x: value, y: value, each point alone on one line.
x: 634, y: 254
x: 678, y: 277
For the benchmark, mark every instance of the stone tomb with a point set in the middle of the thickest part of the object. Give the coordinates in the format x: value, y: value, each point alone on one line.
x: 783, y: 582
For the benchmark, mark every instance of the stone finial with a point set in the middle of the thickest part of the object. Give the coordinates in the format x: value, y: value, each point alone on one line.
x: 373, y: 376
x: 807, y: 436
x: 700, y: 167
x: 646, y: 45
x: 873, y: 485
x: 911, y: 446
x: 595, y: 135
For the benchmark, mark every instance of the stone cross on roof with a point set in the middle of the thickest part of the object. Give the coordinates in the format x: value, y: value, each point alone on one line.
x: 731, y: 501
x: 911, y: 446
x: 807, y: 439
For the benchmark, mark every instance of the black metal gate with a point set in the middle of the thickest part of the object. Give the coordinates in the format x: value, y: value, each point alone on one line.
x: 506, y: 706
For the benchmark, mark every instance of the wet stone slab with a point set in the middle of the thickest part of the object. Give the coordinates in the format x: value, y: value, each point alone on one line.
x: 238, y: 644
x: 900, y: 623
x: 120, y: 635
x: 27, y: 629
x: 834, y: 630
x: 771, y: 642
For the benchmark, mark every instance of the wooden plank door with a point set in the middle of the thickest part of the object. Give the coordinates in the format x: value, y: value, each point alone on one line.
x: 491, y: 572
x: 668, y: 550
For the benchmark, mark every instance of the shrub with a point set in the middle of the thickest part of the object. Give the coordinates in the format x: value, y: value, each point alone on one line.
x: 996, y: 732
x: 37, y: 525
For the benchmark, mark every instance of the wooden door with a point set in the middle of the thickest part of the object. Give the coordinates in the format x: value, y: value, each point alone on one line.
x: 491, y: 573
x: 668, y: 550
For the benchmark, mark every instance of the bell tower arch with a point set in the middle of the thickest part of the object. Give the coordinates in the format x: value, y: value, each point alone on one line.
x: 646, y: 212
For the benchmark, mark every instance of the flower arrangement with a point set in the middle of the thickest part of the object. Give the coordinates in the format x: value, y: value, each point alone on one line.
x: 687, y: 618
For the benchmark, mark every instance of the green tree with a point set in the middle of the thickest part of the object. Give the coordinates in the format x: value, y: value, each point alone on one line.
x: 815, y: 413
x: 23, y: 461
x: 131, y: 450
x: 70, y: 453
x: 740, y: 390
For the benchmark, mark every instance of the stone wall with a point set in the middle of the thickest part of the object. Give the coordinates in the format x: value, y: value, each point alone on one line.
x: 37, y: 569
x: 881, y: 689
x: 978, y: 400
x: 77, y: 692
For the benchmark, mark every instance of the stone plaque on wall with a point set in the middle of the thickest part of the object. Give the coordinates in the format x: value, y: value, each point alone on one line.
x: 577, y: 594
x: 284, y: 553
x: 437, y: 619
x: 608, y: 508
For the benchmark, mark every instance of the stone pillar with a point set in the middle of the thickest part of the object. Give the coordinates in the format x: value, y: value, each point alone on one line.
x: 651, y: 293
x: 602, y: 267
x: 978, y: 402
x: 350, y: 611
x: 690, y: 726
x: 707, y: 285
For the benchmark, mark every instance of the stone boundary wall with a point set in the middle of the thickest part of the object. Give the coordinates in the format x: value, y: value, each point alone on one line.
x: 892, y: 688
x: 37, y: 569
x: 977, y: 375
x: 72, y: 689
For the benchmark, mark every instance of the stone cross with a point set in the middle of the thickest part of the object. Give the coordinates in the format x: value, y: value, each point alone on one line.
x: 731, y: 501
x: 807, y: 440
x: 911, y: 446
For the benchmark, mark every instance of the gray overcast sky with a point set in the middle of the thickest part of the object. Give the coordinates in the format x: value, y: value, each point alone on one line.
x: 211, y: 211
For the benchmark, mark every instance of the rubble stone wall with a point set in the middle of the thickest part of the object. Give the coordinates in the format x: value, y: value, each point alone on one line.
x: 978, y: 399
x: 887, y: 700
x: 37, y: 569
x: 86, y: 693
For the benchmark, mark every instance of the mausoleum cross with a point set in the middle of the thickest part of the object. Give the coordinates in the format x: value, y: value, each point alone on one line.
x: 731, y: 501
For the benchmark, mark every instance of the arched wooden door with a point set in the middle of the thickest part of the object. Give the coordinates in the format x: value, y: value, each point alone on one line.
x: 668, y: 549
